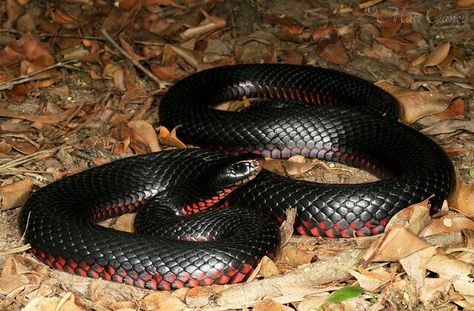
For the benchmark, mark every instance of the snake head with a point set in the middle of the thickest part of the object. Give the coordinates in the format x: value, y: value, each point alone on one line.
x: 236, y: 171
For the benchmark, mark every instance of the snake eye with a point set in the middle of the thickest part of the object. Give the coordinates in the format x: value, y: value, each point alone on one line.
x: 242, y: 168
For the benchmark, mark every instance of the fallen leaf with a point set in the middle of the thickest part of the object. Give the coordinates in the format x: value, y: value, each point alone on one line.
x: 169, y: 138
x: 270, y: 305
x: 438, y: 54
x: 147, y: 132
x: 15, y: 194
x: 415, y: 264
x: 210, y: 24
x: 287, y: 227
x: 449, y: 126
x: 167, y: 73
x: 417, y: 104
x: 289, y: 23
x: 322, y: 31
x: 395, y: 45
x: 125, y: 223
x: 311, y: 303
x: 394, y: 245
x: 296, y: 166
x: 454, y: 111
x: 66, y: 302
x: 294, y: 256
x: 448, y: 223
x: 434, y: 288
x: 334, y: 53
x: 59, y: 16
x: 163, y: 301
x: 367, y: 283
x: 464, y: 3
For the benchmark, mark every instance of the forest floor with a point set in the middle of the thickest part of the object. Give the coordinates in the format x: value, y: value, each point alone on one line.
x: 81, y: 83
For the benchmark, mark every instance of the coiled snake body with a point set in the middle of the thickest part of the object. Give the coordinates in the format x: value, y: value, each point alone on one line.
x: 358, y: 127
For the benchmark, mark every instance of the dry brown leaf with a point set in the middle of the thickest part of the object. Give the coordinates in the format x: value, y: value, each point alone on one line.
x: 287, y: 227
x: 44, y: 119
x: 366, y: 282
x: 322, y: 31
x: 274, y: 166
x: 448, y: 223
x: 10, y: 279
x: 163, y: 301
x: 128, y: 47
x: 334, y: 53
x: 268, y: 267
x: 169, y: 138
x: 415, y: 264
x: 463, y: 198
x: 65, y: 303
x: 117, y: 74
x: 59, y: 16
x: 125, y: 223
x: 167, y: 73
x: 194, y: 58
x: 209, y: 25
x: 464, y: 3
x: 454, y: 111
x: 389, y: 28
x: 312, y: 303
x: 270, y: 305
x: 296, y: 166
x: 395, y: 45
x: 419, y: 60
x: 414, y: 218
x: 394, y: 245
x: 434, y: 288
x: 294, y: 256
x: 449, y: 126
x: 289, y: 23
x: 147, y: 132
x: 417, y: 104
x: 15, y: 194
x: 438, y: 55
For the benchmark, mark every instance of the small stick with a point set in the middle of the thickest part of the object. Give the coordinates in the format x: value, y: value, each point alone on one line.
x: 442, y: 79
x: 28, y: 158
x: 162, y: 84
x: 8, y: 85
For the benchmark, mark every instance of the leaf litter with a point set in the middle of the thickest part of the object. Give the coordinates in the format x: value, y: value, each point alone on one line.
x: 78, y: 81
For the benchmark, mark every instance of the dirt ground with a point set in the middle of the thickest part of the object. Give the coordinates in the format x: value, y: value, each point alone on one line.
x: 81, y: 83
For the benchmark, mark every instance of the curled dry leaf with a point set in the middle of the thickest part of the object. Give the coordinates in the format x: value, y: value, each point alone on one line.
x: 287, y: 227
x: 394, y: 245
x: 266, y: 268
x: 322, y: 31
x: 169, y: 138
x: 417, y: 104
x: 311, y: 303
x: 448, y: 223
x: 147, y: 132
x: 59, y: 16
x: 415, y: 264
x: 270, y: 305
x: 463, y: 198
x: 15, y: 194
x: 454, y: 111
x: 163, y: 301
x: 366, y: 282
x: 294, y: 256
x: 433, y: 288
x: 125, y: 223
x: 66, y: 302
x: 395, y: 45
x: 414, y: 218
x: 210, y: 24
x: 438, y: 55
x: 334, y: 53
x: 296, y: 166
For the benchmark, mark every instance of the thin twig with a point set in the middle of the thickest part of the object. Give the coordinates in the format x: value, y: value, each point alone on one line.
x: 22, y: 136
x: 162, y: 84
x: 8, y: 85
x: 28, y: 158
x: 442, y: 79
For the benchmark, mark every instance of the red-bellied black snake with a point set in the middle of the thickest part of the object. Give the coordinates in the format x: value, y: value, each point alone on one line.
x: 318, y: 113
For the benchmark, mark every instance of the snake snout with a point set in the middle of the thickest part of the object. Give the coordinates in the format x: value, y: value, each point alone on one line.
x: 237, y: 171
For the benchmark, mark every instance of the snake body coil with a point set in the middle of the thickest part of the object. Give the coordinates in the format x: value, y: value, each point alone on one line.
x: 362, y: 132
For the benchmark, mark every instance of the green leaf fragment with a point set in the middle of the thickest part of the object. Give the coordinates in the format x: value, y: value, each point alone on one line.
x: 471, y: 172
x: 345, y: 293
